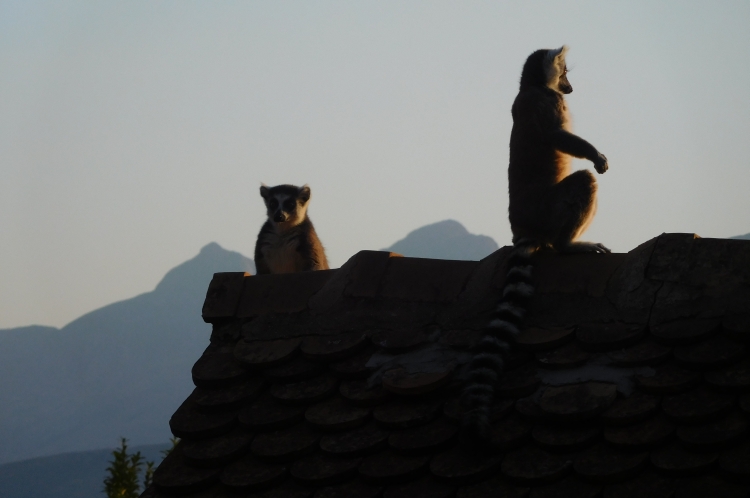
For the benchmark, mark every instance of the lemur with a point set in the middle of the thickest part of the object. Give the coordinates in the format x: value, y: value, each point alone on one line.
x: 287, y: 242
x: 549, y: 207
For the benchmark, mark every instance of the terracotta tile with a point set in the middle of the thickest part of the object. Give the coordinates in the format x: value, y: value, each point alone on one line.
x: 223, y: 296
x: 674, y: 460
x: 399, y: 381
x: 188, y: 422
x: 646, y: 352
x: 285, y: 293
x: 285, y: 445
x: 387, y: 467
x: 305, y: 391
x: 607, y: 465
x: 492, y: 488
x: 453, y: 411
x: 683, y: 332
x: 336, y: 415
x: 398, y: 414
x: 294, y: 370
x: 355, y: 442
x: 425, y: 439
x: 608, y: 336
x: 667, y: 379
x: 646, y: 485
x: 540, y: 339
x: 641, y: 436
x: 327, y: 348
x: 218, y: 451
x: 266, y: 414
x: 265, y: 354
x: 227, y: 398
x: 509, y: 433
x: 578, y: 401
x: 564, y: 357
x: 352, y: 489
x: 565, y: 439
x: 632, y: 409
x: 360, y: 393
x: 463, y: 466
x: 354, y: 367
x: 217, y: 370
x: 712, y: 436
x: 710, y: 486
x: 425, y: 487
x: 534, y: 466
x: 736, y: 461
x: 734, y: 378
x: 415, y: 279
x: 399, y: 340
x: 570, y: 487
x: 321, y: 470
x: 585, y: 274
x: 174, y: 476
x: 367, y: 270
x: 714, y: 352
x: 248, y: 473
x: 697, y: 405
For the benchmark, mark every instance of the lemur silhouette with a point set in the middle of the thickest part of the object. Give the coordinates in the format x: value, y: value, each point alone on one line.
x: 287, y: 242
x: 549, y: 207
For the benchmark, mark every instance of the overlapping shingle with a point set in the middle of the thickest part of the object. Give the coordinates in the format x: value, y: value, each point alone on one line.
x: 632, y: 380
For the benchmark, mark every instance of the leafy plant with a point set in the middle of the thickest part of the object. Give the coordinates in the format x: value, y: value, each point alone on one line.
x: 123, y: 470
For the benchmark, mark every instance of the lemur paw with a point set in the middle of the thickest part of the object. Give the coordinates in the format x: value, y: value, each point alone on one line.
x: 578, y: 247
x: 600, y: 164
x: 601, y: 248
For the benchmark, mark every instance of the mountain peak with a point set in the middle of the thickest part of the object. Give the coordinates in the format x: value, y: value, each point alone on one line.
x: 447, y: 239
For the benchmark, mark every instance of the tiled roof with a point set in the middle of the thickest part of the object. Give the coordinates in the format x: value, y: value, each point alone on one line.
x: 631, y: 380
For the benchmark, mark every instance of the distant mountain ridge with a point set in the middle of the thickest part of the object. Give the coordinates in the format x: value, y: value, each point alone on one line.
x: 742, y: 237
x: 446, y: 239
x: 123, y: 369
x: 120, y: 370
x: 67, y: 475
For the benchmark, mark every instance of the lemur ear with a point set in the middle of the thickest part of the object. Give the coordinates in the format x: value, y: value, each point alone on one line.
x: 554, y: 64
x: 304, y: 193
x: 559, y: 53
x: 264, y: 191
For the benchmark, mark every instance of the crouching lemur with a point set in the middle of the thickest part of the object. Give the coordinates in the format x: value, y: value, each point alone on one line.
x: 287, y: 242
x: 549, y: 207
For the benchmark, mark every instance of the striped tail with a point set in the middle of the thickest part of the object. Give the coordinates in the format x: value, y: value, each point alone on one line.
x: 492, y: 350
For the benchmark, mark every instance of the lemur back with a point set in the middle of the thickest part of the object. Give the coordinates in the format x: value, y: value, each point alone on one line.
x: 548, y: 208
x: 287, y: 242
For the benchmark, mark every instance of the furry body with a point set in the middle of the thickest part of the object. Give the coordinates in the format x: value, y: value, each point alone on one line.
x: 287, y: 242
x: 549, y: 207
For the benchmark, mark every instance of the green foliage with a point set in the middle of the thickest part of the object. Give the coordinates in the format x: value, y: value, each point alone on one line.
x: 174, y: 441
x: 122, y: 481
x: 123, y: 471
x: 148, y: 476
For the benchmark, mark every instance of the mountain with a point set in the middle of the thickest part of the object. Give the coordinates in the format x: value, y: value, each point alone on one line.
x: 742, y: 237
x: 69, y: 475
x: 446, y: 239
x: 120, y: 370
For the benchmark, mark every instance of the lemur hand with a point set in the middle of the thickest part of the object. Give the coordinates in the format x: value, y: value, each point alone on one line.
x: 600, y: 163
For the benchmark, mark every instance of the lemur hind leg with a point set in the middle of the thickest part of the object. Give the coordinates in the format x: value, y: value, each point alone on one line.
x: 574, y: 207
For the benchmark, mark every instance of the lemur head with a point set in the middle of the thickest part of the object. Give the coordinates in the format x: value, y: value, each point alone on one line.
x: 547, y: 67
x: 286, y: 205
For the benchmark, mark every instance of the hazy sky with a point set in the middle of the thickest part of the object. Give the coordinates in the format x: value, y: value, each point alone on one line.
x: 133, y: 133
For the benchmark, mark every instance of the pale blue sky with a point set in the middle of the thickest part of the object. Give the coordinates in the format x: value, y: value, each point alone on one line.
x: 133, y: 133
